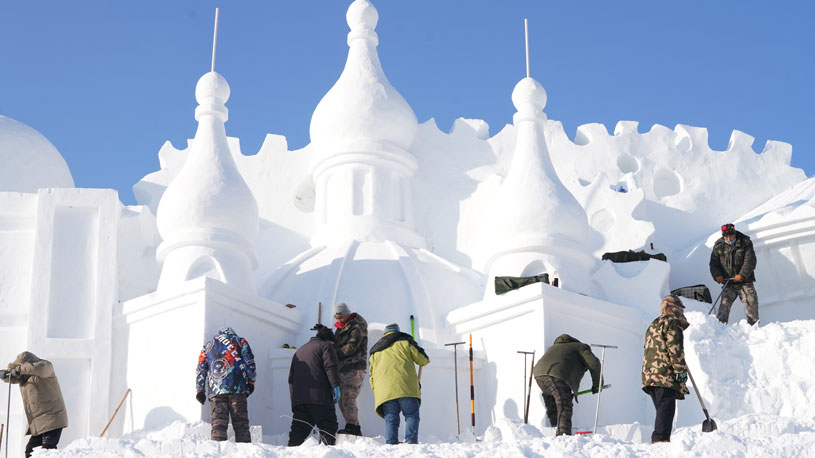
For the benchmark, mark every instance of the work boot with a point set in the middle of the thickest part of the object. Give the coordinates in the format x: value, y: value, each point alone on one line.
x: 353, y: 430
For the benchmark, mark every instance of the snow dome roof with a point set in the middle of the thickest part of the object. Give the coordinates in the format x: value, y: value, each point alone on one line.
x: 29, y: 160
x: 362, y: 111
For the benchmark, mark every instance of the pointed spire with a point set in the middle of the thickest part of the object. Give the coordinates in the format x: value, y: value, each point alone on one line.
x: 208, y: 217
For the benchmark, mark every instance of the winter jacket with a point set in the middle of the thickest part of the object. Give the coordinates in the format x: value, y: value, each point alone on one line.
x: 42, y: 398
x: 226, y: 365
x: 392, y: 374
x: 664, y: 355
x: 738, y: 258
x: 568, y: 359
x: 351, y: 343
x: 313, y: 373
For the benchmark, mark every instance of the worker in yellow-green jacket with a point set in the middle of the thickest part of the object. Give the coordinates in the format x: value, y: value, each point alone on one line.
x: 395, y: 383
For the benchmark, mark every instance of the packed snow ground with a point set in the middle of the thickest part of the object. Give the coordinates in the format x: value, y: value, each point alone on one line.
x: 757, y: 383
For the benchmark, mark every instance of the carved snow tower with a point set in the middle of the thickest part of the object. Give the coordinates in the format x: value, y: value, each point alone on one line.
x: 537, y: 224
x: 208, y: 217
x: 362, y: 130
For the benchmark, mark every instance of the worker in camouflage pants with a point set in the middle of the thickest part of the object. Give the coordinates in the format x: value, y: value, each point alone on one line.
x: 224, y: 406
x: 351, y: 343
x: 733, y: 262
x: 558, y: 374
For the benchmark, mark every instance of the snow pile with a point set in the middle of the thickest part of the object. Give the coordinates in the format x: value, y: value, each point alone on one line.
x: 744, y: 370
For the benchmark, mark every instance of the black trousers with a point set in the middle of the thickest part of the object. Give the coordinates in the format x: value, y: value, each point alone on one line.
x: 48, y: 439
x: 665, y: 403
x: 306, y: 416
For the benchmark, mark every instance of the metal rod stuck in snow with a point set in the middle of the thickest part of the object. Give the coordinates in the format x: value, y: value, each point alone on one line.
x: 526, y: 39
x: 214, y: 39
x: 602, y: 363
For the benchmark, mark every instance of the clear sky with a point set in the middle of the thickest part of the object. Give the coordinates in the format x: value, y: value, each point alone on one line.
x: 108, y: 82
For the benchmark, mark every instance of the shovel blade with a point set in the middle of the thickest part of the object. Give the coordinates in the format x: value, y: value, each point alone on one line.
x: 709, y: 426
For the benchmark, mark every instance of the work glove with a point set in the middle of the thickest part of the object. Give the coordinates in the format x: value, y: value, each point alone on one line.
x: 738, y: 278
x: 682, y: 377
x: 719, y: 279
x: 201, y: 397
x: 336, y: 394
x: 250, y: 388
x: 317, y: 327
x: 595, y: 389
x: 15, y: 372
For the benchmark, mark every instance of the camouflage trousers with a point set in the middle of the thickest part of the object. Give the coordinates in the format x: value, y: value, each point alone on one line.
x: 557, y: 396
x: 221, y: 408
x: 350, y: 384
x: 747, y: 293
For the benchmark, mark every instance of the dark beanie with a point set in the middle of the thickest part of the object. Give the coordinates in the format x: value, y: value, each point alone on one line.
x: 392, y: 328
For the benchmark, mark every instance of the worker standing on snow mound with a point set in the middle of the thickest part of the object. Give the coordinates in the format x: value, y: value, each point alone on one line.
x: 42, y: 400
x: 395, y: 384
x: 226, y: 376
x: 664, y: 371
x: 558, y: 374
x: 351, y: 343
x: 733, y: 258
x: 314, y: 386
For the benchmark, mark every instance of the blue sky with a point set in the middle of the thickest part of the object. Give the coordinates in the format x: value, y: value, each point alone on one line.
x: 109, y: 81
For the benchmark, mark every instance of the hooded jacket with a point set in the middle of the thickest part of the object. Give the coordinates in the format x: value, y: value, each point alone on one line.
x: 568, y: 359
x: 392, y: 372
x: 738, y: 258
x: 42, y: 398
x: 226, y: 365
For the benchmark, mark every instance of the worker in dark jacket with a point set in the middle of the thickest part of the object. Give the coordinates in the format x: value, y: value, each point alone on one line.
x: 664, y: 370
x: 734, y: 259
x: 351, y: 343
x: 314, y: 385
x: 558, y: 375
x: 226, y: 376
x: 42, y: 400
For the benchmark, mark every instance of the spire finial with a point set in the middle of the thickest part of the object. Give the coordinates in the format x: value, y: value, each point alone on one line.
x: 526, y: 36
x: 215, y: 40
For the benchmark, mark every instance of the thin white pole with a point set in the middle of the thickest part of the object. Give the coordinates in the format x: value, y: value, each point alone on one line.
x: 526, y: 36
x: 215, y: 40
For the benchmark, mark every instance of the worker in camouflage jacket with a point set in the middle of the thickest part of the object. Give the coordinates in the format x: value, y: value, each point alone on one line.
x: 664, y: 371
x: 351, y: 343
x: 558, y: 374
x: 734, y: 259
x: 226, y: 376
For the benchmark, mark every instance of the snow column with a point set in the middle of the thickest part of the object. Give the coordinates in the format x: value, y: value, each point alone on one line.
x: 536, y: 224
x: 208, y: 217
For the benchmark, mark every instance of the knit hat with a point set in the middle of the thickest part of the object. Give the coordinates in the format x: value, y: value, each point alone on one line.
x: 392, y: 328
x: 341, y: 309
x: 728, y: 229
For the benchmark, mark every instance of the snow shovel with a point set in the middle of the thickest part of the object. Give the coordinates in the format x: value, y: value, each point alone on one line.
x: 713, y: 307
x: 708, y: 425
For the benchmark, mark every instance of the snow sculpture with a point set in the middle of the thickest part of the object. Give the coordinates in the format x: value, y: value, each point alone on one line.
x: 29, y: 160
x: 208, y: 217
x: 537, y: 224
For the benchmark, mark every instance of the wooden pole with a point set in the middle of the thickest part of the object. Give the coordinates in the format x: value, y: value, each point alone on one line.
x: 115, y: 412
x: 214, y: 39
x: 319, y: 313
x: 529, y: 391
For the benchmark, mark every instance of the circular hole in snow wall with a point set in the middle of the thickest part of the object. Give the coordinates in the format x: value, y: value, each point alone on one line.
x: 666, y: 183
x: 602, y: 220
x: 627, y: 163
